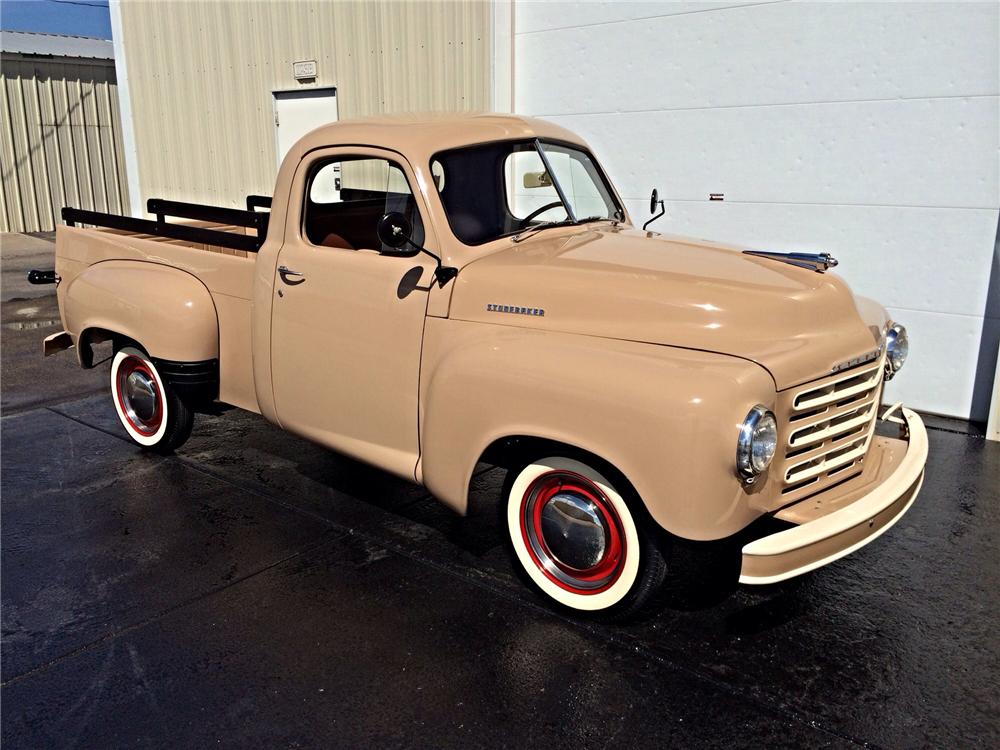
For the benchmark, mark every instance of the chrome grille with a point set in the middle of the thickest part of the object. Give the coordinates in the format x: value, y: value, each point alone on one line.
x: 828, y: 426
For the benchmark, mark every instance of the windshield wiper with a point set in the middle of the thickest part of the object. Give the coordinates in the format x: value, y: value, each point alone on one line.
x: 564, y: 223
x: 616, y: 218
x: 588, y: 219
x: 544, y: 225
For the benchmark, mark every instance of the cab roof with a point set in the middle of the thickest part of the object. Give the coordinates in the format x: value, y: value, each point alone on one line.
x: 421, y: 135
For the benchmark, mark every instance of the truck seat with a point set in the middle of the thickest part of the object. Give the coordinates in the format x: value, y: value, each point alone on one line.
x: 335, y: 240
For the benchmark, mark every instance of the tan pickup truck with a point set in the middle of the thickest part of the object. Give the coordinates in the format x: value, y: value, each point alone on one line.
x: 426, y: 294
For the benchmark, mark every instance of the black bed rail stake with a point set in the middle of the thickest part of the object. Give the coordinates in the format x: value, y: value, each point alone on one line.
x: 197, y: 235
x: 199, y: 212
x: 258, y: 201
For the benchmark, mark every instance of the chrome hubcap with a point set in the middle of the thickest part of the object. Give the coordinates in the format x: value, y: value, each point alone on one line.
x: 140, y: 396
x: 573, y: 531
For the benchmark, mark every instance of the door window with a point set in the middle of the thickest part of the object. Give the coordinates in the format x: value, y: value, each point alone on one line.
x: 346, y: 197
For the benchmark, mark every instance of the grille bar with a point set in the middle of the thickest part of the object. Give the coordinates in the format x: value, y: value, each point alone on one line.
x: 838, y: 390
x: 829, y: 425
x: 831, y: 428
x: 833, y: 460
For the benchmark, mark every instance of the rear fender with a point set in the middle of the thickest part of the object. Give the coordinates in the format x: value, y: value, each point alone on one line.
x: 169, y: 312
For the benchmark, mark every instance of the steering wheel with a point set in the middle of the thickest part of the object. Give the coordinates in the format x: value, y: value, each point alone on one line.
x: 543, y: 209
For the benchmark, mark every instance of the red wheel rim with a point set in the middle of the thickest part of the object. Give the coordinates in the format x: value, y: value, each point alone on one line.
x: 581, y: 494
x: 134, y: 374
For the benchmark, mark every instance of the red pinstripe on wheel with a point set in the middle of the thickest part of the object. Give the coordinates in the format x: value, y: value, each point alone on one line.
x: 149, y: 426
x: 591, y: 580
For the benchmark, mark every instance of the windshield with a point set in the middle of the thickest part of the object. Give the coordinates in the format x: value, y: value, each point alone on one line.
x: 499, y: 189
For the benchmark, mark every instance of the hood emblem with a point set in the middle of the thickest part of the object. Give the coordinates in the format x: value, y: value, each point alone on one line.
x: 818, y: 262
x: 855, y: 361
x: 515, y: 310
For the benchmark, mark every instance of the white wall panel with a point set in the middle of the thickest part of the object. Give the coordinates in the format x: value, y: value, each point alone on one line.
x: 774, y: 54
x: 931, y: 259
x: 928, y: 266
x: 940, y: 373
x: 928, y: 152
x: 869, y: 130
x: 546, y: 15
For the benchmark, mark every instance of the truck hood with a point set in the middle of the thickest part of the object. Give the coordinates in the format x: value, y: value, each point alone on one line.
x: 626, y: 284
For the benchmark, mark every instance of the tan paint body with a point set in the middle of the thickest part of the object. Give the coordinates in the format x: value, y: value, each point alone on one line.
x: 650, y: 353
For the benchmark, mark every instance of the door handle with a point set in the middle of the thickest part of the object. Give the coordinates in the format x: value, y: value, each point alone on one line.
x: 285, y: 272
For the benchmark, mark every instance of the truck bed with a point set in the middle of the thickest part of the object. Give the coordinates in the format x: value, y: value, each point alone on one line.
x: 221, y: 254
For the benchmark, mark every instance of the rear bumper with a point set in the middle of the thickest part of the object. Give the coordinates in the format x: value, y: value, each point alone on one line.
x: 56, y: 343
x: 826, y: 535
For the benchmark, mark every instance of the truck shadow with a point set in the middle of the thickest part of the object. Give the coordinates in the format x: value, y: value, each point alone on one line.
x: 702, y: 575
x: 244, y: 448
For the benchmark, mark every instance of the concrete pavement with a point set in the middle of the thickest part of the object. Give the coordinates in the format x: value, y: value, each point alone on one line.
x: 255, y: 590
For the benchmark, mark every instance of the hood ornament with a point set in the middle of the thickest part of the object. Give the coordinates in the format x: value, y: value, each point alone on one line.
x: 818, y: 262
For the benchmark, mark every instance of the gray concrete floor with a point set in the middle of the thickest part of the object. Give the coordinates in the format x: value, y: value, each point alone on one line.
x: 256, y: 591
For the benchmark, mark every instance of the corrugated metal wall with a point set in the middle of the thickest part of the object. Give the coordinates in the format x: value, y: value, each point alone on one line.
x: 201, y: 77
x: 61, y: 140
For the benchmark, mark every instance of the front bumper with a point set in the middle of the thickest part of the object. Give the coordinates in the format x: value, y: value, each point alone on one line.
x: 828, y: 529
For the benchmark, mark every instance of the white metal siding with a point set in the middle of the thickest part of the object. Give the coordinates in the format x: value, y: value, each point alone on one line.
x: 201, y: 77
x: 61, y: 140
x: 869, y: 130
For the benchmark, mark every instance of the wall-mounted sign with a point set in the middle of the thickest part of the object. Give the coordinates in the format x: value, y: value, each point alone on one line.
x: 304, y: 69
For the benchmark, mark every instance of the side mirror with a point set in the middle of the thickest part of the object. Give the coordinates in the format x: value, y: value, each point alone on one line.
x: 394, y: 230
x: 654, y: 203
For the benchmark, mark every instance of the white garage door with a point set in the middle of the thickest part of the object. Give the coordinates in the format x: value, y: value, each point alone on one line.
x: 869, y: 130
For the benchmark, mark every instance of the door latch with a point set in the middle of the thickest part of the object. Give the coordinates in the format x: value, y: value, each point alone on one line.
x: 290, y: 277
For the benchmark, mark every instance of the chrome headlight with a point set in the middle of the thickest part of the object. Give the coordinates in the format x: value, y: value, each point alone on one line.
x: 897, y: 346
x: 757, y: 442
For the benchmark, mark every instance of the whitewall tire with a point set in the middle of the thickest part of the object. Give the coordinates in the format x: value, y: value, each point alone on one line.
x: 575, y: 536
x: 149, y: 410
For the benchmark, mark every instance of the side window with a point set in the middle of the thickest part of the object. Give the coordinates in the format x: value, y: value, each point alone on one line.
x: 346, y: 196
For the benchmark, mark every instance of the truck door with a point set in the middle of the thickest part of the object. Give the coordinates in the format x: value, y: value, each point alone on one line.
x: 347, y: 322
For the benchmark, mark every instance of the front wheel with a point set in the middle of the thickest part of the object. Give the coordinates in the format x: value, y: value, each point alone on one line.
x: 578, y: 540
x: 151, y: 412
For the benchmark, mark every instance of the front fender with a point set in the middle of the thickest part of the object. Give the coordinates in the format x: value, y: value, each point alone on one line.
x: 666, y: 418
x: 167, y: 311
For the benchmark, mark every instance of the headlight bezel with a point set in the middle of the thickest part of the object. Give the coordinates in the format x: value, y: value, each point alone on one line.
x: 897, y: 348
x: 747, y: 465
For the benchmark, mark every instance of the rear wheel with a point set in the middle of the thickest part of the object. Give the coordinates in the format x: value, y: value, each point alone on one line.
x: 150, y: 411
x: 578, y: 540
